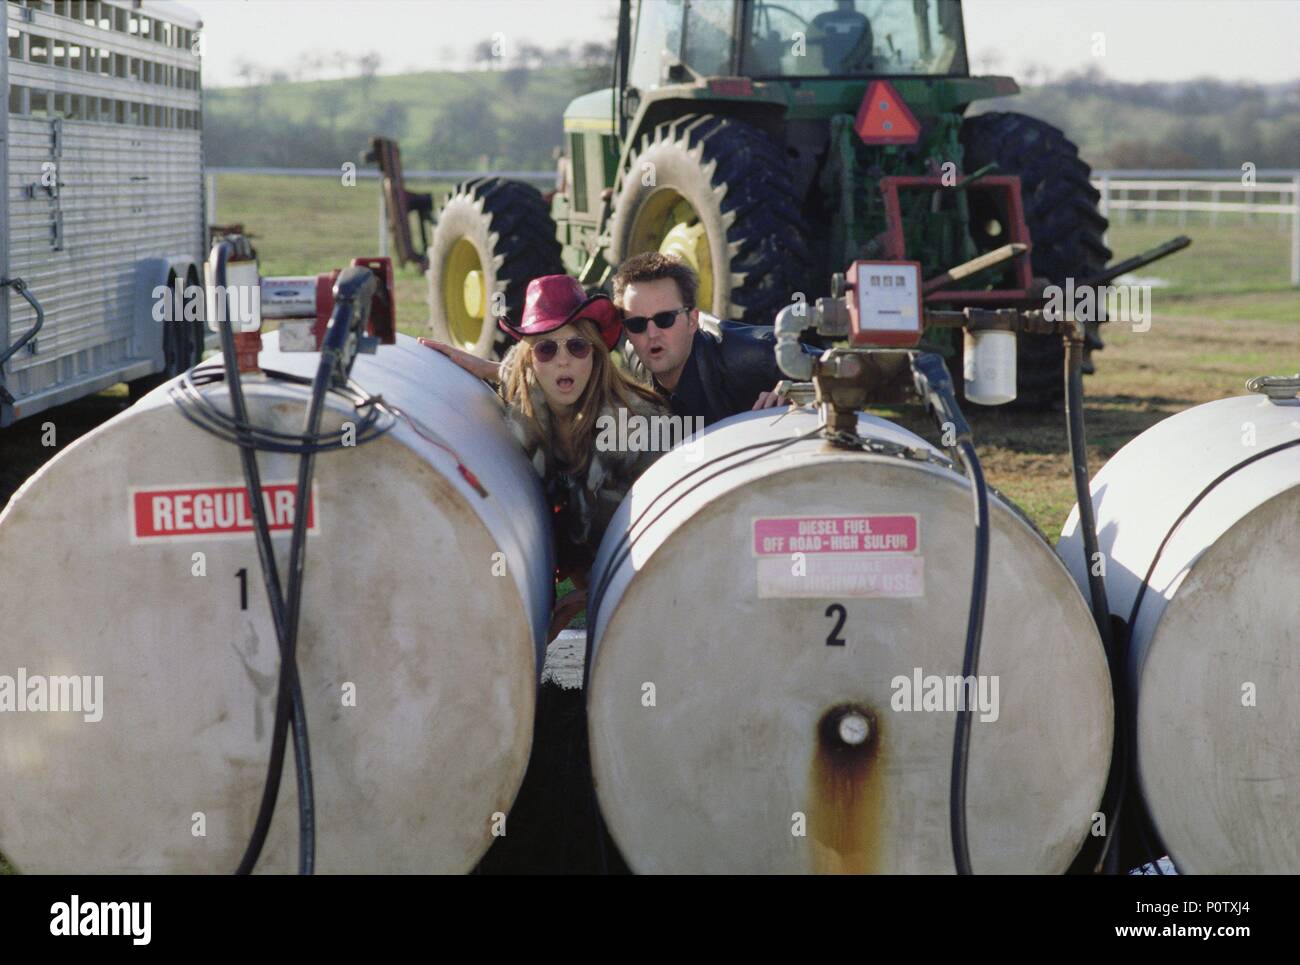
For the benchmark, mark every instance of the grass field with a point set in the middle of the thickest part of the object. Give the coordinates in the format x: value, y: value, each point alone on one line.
x: 1223, y: 310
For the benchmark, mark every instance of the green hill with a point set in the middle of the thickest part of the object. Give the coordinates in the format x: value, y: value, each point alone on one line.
x: 511, y: 119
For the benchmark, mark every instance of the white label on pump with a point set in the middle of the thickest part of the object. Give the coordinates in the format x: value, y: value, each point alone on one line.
x: 888, y: 297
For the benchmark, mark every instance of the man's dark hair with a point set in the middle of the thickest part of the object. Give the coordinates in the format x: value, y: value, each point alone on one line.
x: 652, y: 266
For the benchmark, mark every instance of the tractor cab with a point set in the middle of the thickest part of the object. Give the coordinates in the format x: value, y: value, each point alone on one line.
x: 771, y: 145
x: 797, y: 38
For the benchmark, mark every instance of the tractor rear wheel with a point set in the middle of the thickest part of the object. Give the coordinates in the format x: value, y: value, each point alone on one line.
x: 1064, y: 225
x: 493, y: 237
x: 718, y: 193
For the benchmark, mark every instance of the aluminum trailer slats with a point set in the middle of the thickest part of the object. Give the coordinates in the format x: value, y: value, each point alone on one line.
x: 103, y: 172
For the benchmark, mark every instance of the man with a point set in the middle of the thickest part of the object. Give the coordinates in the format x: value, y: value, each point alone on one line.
x: 704, y: 367
x: 715, y: 369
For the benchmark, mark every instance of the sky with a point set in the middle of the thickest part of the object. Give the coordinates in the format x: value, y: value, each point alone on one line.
x: 1130, y: 40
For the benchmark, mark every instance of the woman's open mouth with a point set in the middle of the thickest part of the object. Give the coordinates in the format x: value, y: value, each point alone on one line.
x: 564, y: 383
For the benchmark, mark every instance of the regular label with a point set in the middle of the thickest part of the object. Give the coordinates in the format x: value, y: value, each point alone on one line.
x: 839, y: 556
x: 205, y: 512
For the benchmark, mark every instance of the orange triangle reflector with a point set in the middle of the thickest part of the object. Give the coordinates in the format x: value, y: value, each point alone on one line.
x: 883, y: 118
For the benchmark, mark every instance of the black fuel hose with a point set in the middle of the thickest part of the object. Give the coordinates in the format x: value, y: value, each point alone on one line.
x: 352, y: 295
x: 970, y: 658
x: 935, y: 387
x: 289, y: 702
x: 1076, y: 434
x: 1074, y: 426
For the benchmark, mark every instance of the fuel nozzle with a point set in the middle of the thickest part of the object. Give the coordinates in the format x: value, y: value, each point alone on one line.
x: 934, y: 386
x: 345, y: 338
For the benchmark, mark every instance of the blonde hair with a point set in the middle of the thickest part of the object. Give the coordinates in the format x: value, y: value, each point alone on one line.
x: 608, y: 386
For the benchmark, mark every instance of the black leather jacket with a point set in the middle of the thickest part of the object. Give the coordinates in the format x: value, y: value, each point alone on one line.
x: 725, y: 372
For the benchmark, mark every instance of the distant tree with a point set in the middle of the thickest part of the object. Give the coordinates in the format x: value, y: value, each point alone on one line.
x: 536, y: 135
x: 1133, y: 153
x: 1029, y: 74
x: 465, y: 129
x: 246, y: 70
x: 257, y: 98
x: 515, y: 79
x: 1284, y: 143
x: 988, y: 60
x: 368, y: 65
x: 390, y: 121
x: 308, y: 65
x: 330, y: 98
x: 595, y: 53
x: 485, y: 54
x: 529, y: 55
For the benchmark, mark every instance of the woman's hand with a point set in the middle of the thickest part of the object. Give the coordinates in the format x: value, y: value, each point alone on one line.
x: 475, y: 366
x: 767, y: 400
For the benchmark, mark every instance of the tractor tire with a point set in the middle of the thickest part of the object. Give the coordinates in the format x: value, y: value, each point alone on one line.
x: 182, y: 347
x: 752, y: 255
x: 1065, y: 227
x: 493, y: 236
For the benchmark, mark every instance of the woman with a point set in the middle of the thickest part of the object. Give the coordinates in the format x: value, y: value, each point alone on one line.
x: 558, y: 381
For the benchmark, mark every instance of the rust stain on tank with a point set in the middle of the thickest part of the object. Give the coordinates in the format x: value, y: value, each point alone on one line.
x: 847, y: 791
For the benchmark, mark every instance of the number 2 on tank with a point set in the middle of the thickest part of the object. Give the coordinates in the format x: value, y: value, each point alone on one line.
x: 834, y: 639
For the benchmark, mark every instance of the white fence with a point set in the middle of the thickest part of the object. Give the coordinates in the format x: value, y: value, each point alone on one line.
x: 1267, y: 193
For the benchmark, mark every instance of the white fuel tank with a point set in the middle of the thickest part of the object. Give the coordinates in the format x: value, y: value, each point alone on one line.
x: 1214, y: 657
x: 761, y: 694
x: 128, y: 560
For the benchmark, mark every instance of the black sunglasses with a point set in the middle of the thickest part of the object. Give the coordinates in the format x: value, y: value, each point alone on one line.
x: 545, y: 350
x: 636, y: 324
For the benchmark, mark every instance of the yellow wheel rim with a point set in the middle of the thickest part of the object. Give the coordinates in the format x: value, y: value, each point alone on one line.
x: 464, y: 293
x: 668, y: 223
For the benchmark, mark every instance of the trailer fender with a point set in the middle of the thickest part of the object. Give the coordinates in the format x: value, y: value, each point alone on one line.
x: 151, y: 274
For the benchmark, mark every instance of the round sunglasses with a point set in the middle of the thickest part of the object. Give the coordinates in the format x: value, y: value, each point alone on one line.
x: 546, y: 349
x: 636, y: 324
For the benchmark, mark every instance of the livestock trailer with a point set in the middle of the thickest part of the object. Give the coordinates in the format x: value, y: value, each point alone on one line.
x: 101, y: 157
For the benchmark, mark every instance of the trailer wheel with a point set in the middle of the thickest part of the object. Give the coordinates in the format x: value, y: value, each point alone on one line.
x: 493, y: 237
x: 1064, y: 225
x: 182, y: 346
x: 716, y: 192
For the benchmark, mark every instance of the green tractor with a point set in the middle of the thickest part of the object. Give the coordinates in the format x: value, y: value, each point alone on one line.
x: 770, y: 145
